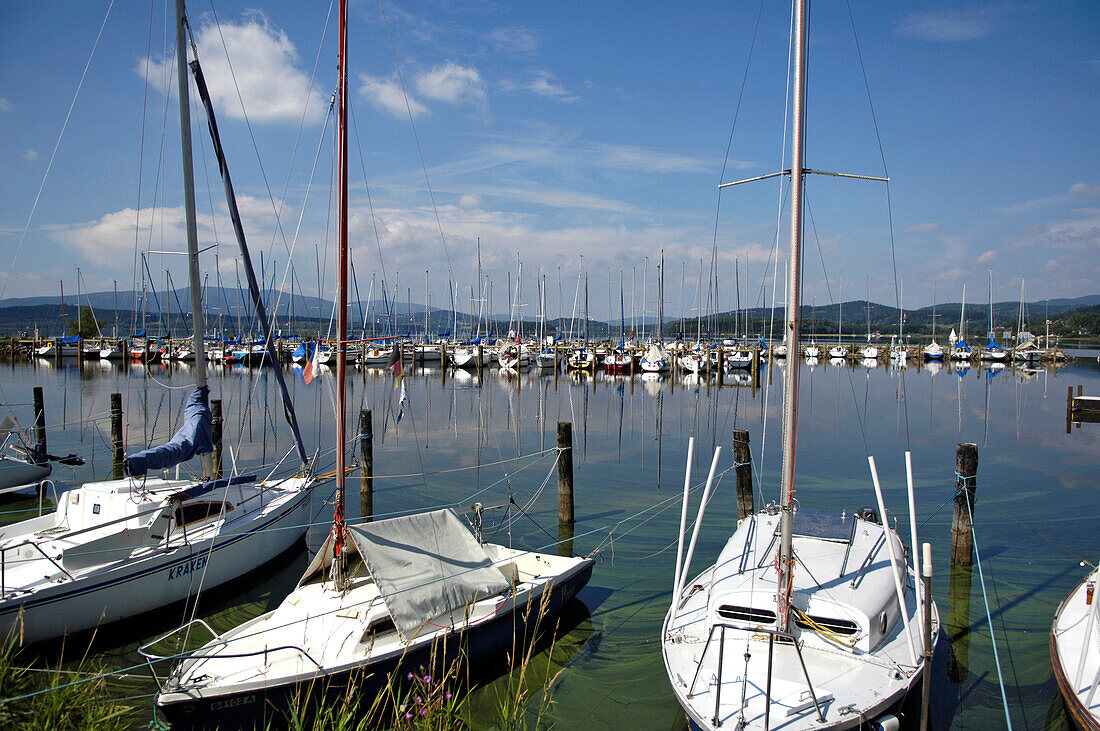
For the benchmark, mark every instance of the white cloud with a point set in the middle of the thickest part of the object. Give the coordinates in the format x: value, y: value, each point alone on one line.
x: 266, y: 72
x: 986, y: 256
x: 30, y: 155
x: 386, y: 95
x: 545, y: 85
x: 1084, y: 189
x: 952, y: 26
x: 469, y: 201
x: 622, y: 157
x: 109, y: 240
x: 923, y: 228
x: 452, y: 83
x: 5, y: 105
x: 516, y: 40
x: 542, y: 83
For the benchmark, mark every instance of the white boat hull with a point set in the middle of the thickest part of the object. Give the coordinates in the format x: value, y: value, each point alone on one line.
x: 150, y: 577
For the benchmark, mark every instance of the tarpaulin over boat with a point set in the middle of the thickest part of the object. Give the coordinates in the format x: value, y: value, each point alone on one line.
x: 194, y: 437
x: 425, y: 565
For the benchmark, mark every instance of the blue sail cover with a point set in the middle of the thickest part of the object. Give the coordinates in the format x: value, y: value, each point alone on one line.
x: 194, y: 437
x: 69, y: 340
x: 993, y: 344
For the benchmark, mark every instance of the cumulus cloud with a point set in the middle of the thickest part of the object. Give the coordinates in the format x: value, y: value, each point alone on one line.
x: 266, y: 71
x: 469, y: 201
x: 952, y: 26
x: 5, y: 105
x: 30, y: 155
x: 386, y: 95
x: 452, y: 84
x: 109, y: 239
x: 986, y: 256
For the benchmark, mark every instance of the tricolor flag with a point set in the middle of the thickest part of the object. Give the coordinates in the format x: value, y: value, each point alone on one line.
x: 395, y: 361
x: 310, y: 371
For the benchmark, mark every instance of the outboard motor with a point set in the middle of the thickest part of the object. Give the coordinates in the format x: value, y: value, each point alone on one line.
x: 868, y: 513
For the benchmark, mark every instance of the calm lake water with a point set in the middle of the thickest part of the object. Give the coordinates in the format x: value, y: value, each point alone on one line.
x: 1036, y: 516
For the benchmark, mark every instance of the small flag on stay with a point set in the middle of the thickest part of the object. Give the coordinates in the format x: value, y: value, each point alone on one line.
x: 310, y: 371
x: 395, y: 361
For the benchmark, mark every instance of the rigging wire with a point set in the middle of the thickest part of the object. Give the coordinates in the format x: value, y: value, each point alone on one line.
x: 57, y: 145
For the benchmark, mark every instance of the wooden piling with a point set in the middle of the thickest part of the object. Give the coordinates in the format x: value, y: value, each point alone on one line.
x: 565, y: 472
x: 721, y: 366
x: 39, y: 420
x: 116, y: 437
x: 742, y: 458
x: 962, y: 535
x: 480, y: 357
x: 1069, y: 409
x: 366, y: 452
x: 958, y: 624
x: 565, y: 539
x: 216, y: 433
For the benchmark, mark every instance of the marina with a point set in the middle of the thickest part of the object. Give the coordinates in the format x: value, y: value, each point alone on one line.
x: 630, y: 438
x: 593, y: 438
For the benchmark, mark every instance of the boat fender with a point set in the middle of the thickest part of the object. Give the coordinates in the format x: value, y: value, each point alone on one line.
x: 886, y: 722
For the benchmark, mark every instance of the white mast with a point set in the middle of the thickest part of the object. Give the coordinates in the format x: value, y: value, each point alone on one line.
x: 794, y: 316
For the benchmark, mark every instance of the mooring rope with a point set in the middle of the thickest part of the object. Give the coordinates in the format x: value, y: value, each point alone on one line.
x: 989, y: 619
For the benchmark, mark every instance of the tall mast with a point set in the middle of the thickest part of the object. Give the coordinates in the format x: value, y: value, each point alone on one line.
x: 794, y: 275
x: 342, y: 276
x: 198, y: 321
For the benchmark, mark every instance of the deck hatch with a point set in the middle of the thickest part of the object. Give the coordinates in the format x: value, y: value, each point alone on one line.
x: 746, y: 614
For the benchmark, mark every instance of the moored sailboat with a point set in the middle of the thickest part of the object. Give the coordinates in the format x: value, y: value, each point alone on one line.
x: 114, y: 549
x: 806, y: 619
x: 378, y: 596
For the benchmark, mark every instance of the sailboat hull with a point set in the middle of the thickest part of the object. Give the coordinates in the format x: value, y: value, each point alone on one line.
x: 1069, y: 646
x: 264, y: 705
x: 144, y: 581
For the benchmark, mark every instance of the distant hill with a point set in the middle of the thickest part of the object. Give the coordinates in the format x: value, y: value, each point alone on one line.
x: 228, y: 313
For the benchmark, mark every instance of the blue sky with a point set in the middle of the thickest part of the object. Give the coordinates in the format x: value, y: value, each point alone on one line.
x: 580, y: 136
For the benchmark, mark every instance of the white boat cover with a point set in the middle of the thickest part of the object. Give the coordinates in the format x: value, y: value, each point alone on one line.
x: 425, y: 565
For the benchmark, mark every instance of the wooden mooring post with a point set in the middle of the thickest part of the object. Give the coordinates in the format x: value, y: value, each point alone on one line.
x: 216, y: 434
x: 742, y: 458
x: 116, y: 437
x: 366, y: 465
x: 39, y: 421
x: 565, y: 472
x: 565, y: 488
x: 966, y: 479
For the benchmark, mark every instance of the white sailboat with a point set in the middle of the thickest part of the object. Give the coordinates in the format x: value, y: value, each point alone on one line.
x: 1075, y: 651
x: 805, y: 620
x: 933, y: 351
x: 116, y: 548
x: 869, y: 351
x: 17, y: 473
x: 992, y: 352
x: 838, y: 351
x: 378, y: 596
x: 960, y: 351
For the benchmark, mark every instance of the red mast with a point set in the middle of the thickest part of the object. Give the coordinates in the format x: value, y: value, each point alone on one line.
x: 342, y: 278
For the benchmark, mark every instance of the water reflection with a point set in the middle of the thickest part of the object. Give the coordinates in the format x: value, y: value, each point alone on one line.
x: 461, y: 433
